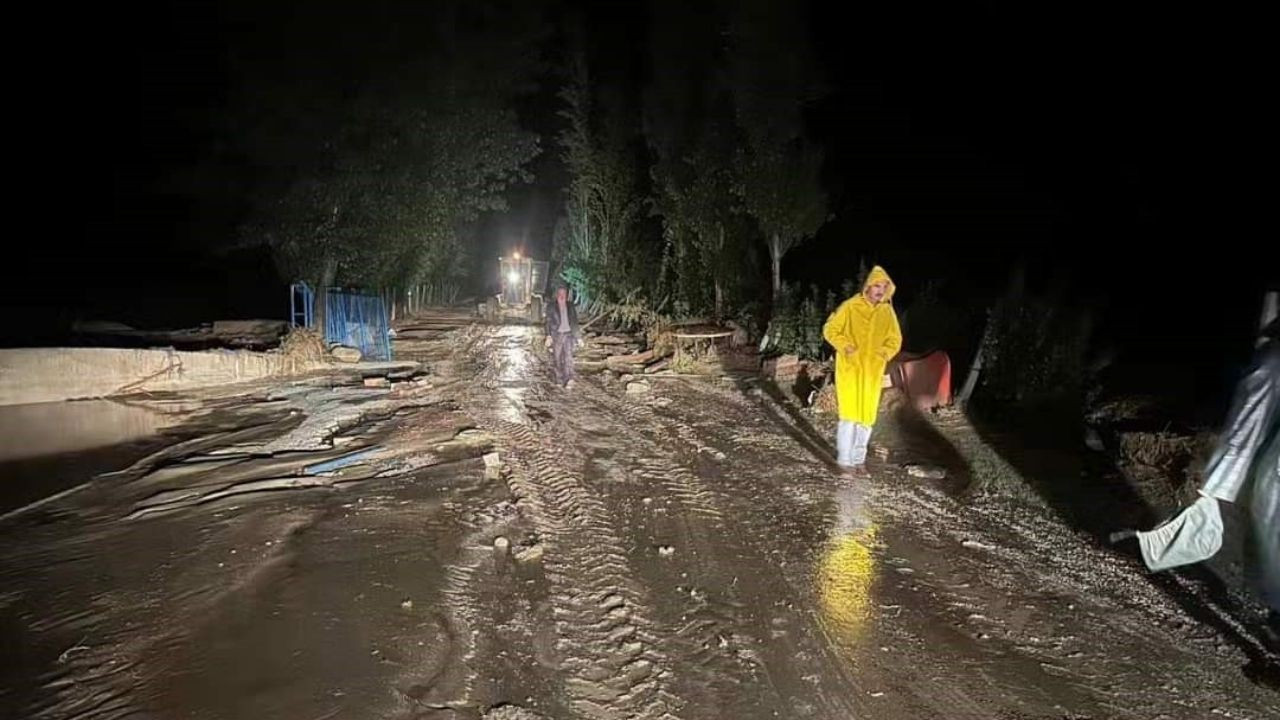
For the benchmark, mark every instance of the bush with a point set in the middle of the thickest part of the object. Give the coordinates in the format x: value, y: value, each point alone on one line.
x: 796, y: 328
x: 929, y: 323
x: 1033, y: 353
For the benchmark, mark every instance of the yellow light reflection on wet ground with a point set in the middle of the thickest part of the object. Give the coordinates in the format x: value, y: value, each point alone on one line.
x: 846, y: 570
x: 845, y: 577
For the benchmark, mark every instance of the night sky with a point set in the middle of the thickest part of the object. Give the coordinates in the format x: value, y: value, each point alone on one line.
x: 960, y: 137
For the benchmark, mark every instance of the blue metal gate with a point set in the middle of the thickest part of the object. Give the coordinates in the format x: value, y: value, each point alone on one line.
x: 302, y: 303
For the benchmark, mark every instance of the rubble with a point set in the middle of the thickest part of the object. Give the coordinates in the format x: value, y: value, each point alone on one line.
x: 492, y: 466
x: 531, y: 554
x: 657, y: 366
x: 926, y: 472
x: 345, y: 354
x: 627, y: 362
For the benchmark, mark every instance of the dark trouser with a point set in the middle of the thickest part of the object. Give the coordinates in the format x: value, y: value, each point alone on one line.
x: 562, y: 356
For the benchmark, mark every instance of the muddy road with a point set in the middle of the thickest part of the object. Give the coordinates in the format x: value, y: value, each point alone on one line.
x: 685, y: 552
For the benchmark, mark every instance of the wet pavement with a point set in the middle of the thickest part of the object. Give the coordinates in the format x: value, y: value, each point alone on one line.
x: 683, y: 553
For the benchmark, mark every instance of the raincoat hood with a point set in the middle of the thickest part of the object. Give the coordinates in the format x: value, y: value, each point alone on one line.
x: 878, y: 275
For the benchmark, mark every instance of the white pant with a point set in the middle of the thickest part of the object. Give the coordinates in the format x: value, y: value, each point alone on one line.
x: 851, y: 443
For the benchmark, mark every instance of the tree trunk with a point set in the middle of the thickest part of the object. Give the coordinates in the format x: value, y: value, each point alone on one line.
x: 971, y: 379
x: 327, y: 276
x: 775, y: 256
x: 719, y: 299
x: 717, y: 271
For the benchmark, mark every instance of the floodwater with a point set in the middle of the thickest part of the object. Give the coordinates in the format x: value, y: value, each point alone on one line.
x: 674, y: 555
x: 48, y: 447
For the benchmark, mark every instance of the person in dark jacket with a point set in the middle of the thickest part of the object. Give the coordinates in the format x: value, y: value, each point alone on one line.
x: 561, y: 324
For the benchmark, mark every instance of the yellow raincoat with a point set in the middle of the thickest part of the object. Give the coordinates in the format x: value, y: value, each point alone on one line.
x: 873, y: 330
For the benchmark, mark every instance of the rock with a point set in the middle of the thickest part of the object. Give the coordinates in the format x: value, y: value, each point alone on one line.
x: 666, y: 550
x: 343, y: 353
x: 501, y: 546
x: 377, y: 382
x: 492, y: 466
x: 782, y: 367
x: 637, y: 387
x: 406, y: 604
x: 511, y: 712
x: 530, y: 554
x: 926, y: 472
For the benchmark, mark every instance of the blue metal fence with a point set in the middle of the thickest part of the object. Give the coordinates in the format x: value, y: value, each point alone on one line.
x: 358, y: 321
x: 351, y: 319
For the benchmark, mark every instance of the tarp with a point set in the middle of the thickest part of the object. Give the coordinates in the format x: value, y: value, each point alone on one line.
x: 1244, y: 469
x: 926, y: 379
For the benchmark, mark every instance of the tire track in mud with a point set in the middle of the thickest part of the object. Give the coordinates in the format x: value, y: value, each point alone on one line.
x: 612, y: 662
x: 461, y: 603
x: 710, y: 631
x: 757, y: 435
x: 799, y: 657
x: 466, y: 611
x: 616, y: 667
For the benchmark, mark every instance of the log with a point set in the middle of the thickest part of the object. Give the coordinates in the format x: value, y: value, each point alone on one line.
x: 657, y: 366
x: 639, y: 358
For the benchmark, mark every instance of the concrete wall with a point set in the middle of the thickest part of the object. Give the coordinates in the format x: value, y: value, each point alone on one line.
x: 36, y: 375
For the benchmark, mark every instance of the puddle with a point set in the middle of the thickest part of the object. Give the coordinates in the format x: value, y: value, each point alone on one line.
x: 515, y: 363
x: 49, y: 447
x: 32, y: 431
x: 847, y: 567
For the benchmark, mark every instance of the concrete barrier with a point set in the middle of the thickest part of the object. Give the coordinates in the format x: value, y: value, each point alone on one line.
x: 36, y: 375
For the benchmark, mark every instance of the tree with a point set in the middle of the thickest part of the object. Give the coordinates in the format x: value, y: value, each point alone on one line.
x: 377, y: 174
x: 603, y: 205
x: 779, y: 169
x: 779, y: 187
x: 690, y: 130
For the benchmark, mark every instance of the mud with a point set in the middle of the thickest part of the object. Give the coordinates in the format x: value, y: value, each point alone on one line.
x: 682, y: 554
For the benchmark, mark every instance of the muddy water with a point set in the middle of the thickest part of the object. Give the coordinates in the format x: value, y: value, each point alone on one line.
x: 49, y: 447
x: 675, y: 556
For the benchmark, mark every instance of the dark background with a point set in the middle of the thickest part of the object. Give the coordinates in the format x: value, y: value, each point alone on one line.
x: 1106, y: 149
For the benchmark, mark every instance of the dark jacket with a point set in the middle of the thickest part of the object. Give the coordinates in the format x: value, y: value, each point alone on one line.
x: 551, y: 322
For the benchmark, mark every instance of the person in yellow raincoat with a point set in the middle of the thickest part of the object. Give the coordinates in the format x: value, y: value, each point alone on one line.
x: 865, y: 334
